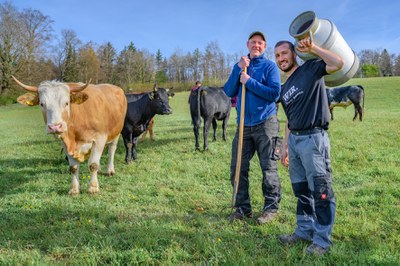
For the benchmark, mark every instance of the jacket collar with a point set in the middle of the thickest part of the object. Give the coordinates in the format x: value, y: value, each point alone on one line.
x: 258, y: 58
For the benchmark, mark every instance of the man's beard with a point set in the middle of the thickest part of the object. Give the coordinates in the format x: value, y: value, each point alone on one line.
x: 290, y: 66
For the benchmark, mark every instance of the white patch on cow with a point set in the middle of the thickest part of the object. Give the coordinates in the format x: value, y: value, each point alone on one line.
x: 85, y: 148
x: 54, y: 99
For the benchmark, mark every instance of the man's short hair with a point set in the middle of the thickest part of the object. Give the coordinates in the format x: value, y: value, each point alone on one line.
x: 291, y: 46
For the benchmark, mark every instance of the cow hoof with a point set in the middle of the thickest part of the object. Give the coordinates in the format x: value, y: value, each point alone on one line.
x: 93, y: 190
x: 73, y: 192
x: 111, y: 173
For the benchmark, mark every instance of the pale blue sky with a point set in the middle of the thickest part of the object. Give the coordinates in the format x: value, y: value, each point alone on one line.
x: 185, y: 25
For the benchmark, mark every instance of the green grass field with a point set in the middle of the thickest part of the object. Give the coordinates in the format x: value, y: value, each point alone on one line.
x: 170, y: 206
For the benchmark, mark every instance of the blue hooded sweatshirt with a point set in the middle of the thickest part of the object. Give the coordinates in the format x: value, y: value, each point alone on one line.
x: 262, y: 90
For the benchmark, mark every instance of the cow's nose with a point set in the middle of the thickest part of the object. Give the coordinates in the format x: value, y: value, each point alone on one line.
x: 54, y: 128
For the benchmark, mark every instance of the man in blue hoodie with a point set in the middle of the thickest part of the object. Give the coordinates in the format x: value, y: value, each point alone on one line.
x: 261, y: 125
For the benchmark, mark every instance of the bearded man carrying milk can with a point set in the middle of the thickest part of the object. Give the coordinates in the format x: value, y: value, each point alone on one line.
x: 328, y: 61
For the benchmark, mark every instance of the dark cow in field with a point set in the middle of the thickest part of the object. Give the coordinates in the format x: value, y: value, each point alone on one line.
x: 141, y: 109
x: 85, y: 117
x: 211, y: 104
x: 133, y: 96
x: 345, y: 96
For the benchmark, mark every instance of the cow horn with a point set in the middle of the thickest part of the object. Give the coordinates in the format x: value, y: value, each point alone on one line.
x: 26, y: 87
x: 155, y: 87
x: 79, y: 88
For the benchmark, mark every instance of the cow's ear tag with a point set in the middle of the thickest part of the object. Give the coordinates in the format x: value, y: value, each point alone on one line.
x: 28, y: 99
x: 78, y: 97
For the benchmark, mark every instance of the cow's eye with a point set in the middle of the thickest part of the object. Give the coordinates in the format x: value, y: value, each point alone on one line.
x: 41, y: 104
x: 66, y: 104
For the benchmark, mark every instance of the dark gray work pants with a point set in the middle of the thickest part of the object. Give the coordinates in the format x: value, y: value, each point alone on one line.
x: 257, y: 139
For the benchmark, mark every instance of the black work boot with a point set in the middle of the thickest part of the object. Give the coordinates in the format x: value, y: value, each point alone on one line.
x: 291, y: 239
x: 239, y: 215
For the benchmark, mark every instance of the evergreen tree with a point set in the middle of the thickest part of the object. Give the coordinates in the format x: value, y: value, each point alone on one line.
x: 161, y: 75
x: 385, y: 63
x: 71, y: 69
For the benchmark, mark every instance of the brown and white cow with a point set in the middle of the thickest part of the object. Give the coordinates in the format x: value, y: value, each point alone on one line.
x: 85, y: 117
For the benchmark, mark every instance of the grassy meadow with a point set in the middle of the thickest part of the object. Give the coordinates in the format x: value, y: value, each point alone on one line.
x: 170, y: 206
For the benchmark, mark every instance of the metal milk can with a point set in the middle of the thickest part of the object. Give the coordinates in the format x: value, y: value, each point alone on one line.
x: 325, y: 34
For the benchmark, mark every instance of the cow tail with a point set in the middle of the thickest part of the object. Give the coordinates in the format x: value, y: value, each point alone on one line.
x: 363, y: 96
x: 199, y: 91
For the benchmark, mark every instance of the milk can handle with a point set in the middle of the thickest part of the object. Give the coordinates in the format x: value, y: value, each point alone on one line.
x: 311, y: 36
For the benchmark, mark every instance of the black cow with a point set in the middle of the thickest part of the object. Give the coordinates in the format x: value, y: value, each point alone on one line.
x: 211, y: 104
x: 141, y: 109
x: 345, y: 96
x: 133, y: 96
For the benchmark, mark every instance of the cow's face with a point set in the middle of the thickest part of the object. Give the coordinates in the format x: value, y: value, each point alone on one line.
x: 54, y: 99
x: 160, y: 101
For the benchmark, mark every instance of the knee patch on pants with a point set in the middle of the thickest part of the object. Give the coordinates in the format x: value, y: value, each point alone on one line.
x: 323, y: 196
x: 304, y: 196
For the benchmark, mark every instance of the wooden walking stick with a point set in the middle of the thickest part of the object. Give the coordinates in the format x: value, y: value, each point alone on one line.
x: 240, y: 144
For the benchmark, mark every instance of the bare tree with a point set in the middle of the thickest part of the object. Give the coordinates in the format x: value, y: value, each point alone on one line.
x: 88, y: 64
x: 144, y: 66
x: 12, y: 50
x: 213, y: 62
x: 64, y: 57
x: 176, y: 66
x: 36, y: 33
x: 107, y: 57
x: 125, y: 65
x: 369, y: 56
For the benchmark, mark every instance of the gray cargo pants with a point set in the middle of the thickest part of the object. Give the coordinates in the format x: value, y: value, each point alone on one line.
x: 311, y: 177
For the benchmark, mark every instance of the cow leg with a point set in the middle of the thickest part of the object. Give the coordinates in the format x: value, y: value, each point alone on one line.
x: 143, y: 137
x: 196, y: 136
x: 127, y: 137
x: 112, y: 147
x: 94, y: 163
x: 207, y: 124
x: 74, y: 171
x: 224, y: 126
x: 151, y: 132
x: 357, y: 111
x: 134, y: 144
x: 214, y: 125
x: 150, y: 129
x: 331, y: 111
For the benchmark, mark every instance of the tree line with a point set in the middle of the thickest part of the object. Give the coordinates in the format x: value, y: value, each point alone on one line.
x: 27, y: 52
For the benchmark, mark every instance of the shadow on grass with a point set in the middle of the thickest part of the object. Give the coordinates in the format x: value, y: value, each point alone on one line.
x: 39, y: 142
x: 19, y: 172
x: 61, y: 227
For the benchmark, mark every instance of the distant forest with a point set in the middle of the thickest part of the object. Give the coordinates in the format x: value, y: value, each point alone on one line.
x: 27, y: 52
